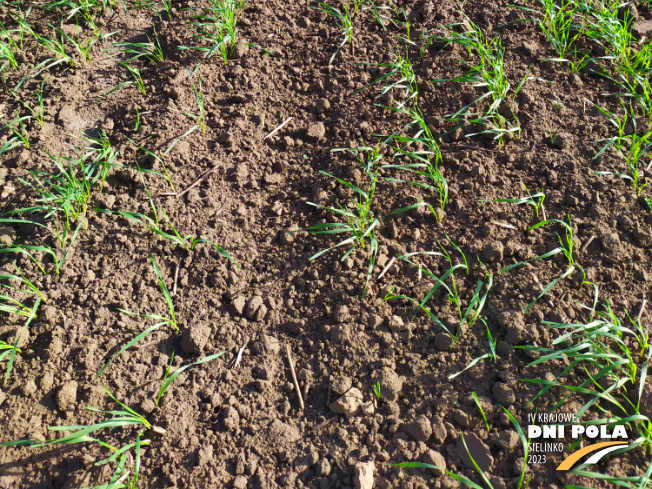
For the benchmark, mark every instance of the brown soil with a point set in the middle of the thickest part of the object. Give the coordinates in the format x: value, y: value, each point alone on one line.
x: 242, y: 427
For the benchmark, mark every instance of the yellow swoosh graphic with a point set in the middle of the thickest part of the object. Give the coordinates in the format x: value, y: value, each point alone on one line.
x: 575, y: 456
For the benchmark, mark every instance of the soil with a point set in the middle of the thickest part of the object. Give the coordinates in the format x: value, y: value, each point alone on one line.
x: 242, y: 426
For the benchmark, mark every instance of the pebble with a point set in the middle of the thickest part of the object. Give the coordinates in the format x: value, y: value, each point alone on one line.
x: 391, y: 383
x: 478, y: 450
x: 503, y: 394
x: 435, y: 458
x: 341, y: 385
x: 420, y: 429
x: 348, y: 404
x: 67, y: 395
x: 195, y: 338
x: 316, y: 131
x: 230, y: 418
x: 364, y: 475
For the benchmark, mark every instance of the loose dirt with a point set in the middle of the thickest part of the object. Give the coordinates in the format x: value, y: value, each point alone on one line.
x: 242, y: 426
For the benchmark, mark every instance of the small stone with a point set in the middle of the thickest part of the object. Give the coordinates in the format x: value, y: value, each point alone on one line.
x: 271, y: 344
x: 240, y: 482
x: 239, y: 305
x: 503, y: 394
x: 494, y: 252
x: 461, y: 418
x: 148, y: 405
x: 46, y: 382
x: 261, y: 313
x: 575, y: 80
x: 240, y: 51
x: 323, y: 468
x: 283, y: 433
x: 642, y: 237
x: 439, y: 431
x: 512, y: 322
x: 559, y: 141
x: 29, y: 389
x: 367, y: 409
x: 252, y: 307
x: 527, y: 334
x: 364, y: 475
x: 67, y: 395
x: 478, y: 450
x: 316, y: 131
x: 322, y: 105
x: 205, y: 455
x: 22, y: 335
x: 348, y: 404
x: 397, y: 325
x: 530, y: 48
x: 390, y: 384
x: 375, y: 321
x: 420, y: 429
x: 443, y: 341
x: 195, y: 338
x: 507, y: 440
x: 7, y: 235
x: 435, y: 458
x: 341, y: 314
x: 230, y: 418
x: 341, y: 385
x: 49, y: 315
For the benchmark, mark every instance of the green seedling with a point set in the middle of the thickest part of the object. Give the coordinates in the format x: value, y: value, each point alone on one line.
x: 11, y: 143
x: 636, y: 151
x: 25, y: 250
x: 169, y: 378
x: 485, y: 479
x: 491, y: 354
x: 137, y: 125
x: 557, y: 21
x: 200, y: 118
x: 127, y: 417
x: 566, y: 247
x: 487, y: 72
x: 631, y: 60
x: 345, y: 18
x: 477, y: 302
x: 7, y: 48
x: 479, y: 404
x: 161, y: 320
x: 428, y: 160
x: 83, y: 47
x: 137, y: 78
x: 401, y: 68
x: 37, y: 112
x: 361, y: 221
x: 12, y: 350
x: 378, y: 10
x: 535, y: 200
x: 18, y: 128
x: 157, y: 158
x: 58, y: 47
x: 615, y: 354
x: 32, y: 289
x: 377, y: 389
x: 154, y: 224
x: 217, y: 26
x: 67, y: 192
x: 150, y: 50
